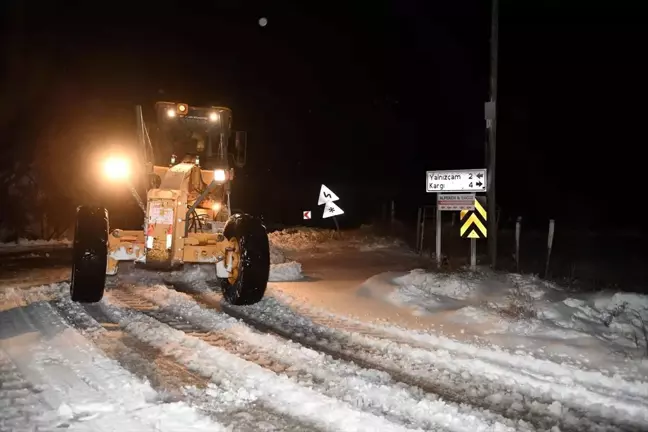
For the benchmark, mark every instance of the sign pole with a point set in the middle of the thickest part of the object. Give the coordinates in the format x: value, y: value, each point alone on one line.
x: 438, y: 235
x: 422, y: 230
x: 418, y: 228
x: 492, y: 129
x: 473, y: 253
x: 552, y: 225
x: 518, y: 229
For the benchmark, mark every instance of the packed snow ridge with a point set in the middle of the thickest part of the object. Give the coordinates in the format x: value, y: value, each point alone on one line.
x: 302, y: 239
x: 25, y: 245
x: 311, y: 239
x: 516, y: 310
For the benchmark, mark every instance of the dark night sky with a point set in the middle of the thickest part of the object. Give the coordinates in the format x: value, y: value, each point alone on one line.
x: 363, y: 98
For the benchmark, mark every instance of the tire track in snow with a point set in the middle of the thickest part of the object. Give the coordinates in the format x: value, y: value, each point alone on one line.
x: 164, y: 374
x: 20, y: 403
x: 506, y: 392
x: 173, y: 380
x: 132, y: 300
x: 243, y: 379
x: 368, y: 390
x: 547, y: 370
x: 83, y: 389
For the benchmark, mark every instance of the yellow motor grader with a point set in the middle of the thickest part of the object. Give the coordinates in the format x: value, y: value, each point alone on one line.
x: 187, y: 216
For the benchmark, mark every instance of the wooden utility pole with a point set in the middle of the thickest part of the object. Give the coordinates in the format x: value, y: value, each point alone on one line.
x: 492, y: 129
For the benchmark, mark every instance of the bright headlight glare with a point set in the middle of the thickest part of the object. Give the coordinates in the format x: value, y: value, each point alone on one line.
x: 171, y: 112
x: 220, y: 175
x: 116, y: 168
x: 216, y: 206
x: 213, y: 117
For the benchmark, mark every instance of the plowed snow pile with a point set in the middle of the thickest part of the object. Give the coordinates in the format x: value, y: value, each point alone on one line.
x: 36, y: 243
x: 312, y: 239
x: 524, y: 311
x: 25, y: 245
x: 303, y: 239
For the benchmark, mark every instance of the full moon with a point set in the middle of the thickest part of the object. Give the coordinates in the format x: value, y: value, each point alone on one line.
x: 263, y: 21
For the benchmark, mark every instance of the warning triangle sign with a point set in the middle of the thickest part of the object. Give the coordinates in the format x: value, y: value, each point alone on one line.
x: 326, y: 195
x: 331, y: 209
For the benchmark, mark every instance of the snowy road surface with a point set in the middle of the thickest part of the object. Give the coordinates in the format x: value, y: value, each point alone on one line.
x: 155, y: 357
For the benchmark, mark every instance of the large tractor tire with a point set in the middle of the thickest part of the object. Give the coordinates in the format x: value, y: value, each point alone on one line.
x: 89, y: 254
x: 249, y: 278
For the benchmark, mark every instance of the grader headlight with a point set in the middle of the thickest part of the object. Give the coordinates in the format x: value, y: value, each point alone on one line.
x: 182, y: 109
x: 116, y: 168
x: 220, y: 175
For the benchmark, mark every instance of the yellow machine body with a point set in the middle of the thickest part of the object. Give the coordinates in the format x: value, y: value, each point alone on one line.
x: 166, y: 242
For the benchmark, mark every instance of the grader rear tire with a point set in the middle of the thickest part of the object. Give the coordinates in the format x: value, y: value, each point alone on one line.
x: 89, y: 254
x: 250, y: 276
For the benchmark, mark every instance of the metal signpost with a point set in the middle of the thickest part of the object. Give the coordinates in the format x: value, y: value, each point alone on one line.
x: 473, y: 209
x: 473, y: 226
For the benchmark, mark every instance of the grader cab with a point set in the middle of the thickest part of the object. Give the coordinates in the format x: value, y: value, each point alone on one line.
x: 187, y: 211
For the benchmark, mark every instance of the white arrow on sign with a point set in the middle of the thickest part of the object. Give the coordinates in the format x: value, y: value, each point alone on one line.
x: 331, y: 209
x: 326, y: 195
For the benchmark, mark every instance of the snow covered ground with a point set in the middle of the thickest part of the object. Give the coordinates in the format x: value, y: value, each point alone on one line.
x: 333, y: 347
x: 24, y: 245
x: 51, y: 377
x: 523, y: 311
x: 315, y: 239
x: 312, y: 240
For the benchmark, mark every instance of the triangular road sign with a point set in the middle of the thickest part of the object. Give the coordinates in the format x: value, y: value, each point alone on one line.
x: 326, y: 195
x: 331, y: 209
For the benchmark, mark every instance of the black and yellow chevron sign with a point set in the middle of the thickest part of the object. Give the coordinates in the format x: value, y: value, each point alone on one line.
x: 473, y: 222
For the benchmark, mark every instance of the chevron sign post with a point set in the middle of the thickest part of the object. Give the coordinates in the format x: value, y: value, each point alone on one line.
x: 473, y: 226
x: 327, y: 197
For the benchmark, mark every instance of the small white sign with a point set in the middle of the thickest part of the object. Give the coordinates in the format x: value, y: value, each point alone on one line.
x: 326, y: 195
x: 331, y: 209
x: 456, y: 202
x: 456, y: 181
x: 307, y: 214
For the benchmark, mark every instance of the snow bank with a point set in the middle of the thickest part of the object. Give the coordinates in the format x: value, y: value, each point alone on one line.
x: 304, y: 238
x: 554, y: 391
x: 276, y: 255
x: 502, y: 306
x: 285, y: 272
x: 25, y: 244
x: 40, y: 242
x: 282, y: 269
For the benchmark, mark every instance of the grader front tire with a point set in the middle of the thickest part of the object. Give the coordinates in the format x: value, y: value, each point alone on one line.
x: 249, y: 278
x: 89, y: 254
